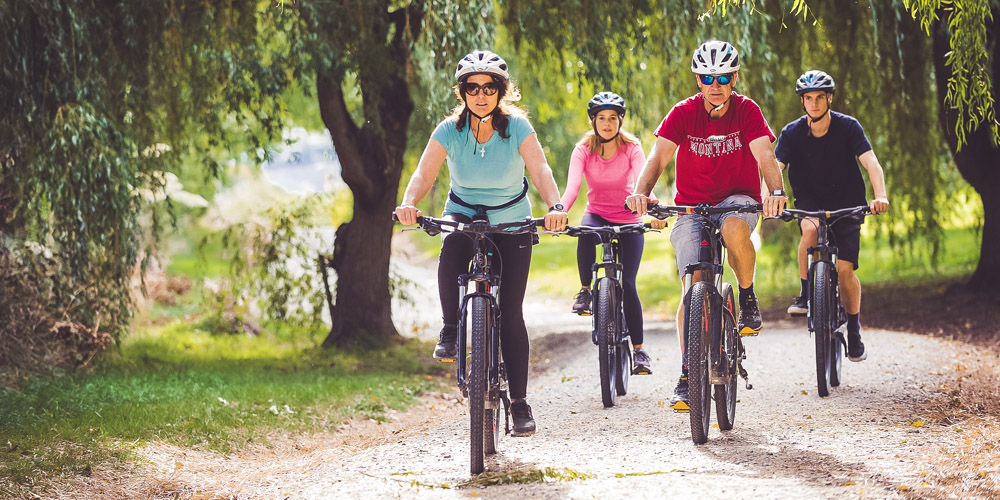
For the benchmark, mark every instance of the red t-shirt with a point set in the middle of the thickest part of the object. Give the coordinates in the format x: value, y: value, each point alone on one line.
x: 713, y: 156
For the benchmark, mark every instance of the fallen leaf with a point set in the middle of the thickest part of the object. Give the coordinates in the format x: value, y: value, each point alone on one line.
x: 178, y: 465
x: 849, y: 483
x: 918, y: 423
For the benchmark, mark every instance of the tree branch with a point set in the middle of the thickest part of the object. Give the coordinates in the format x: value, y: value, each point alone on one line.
x: 346, y: 135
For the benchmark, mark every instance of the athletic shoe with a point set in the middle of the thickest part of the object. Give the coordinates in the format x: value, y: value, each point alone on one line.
x: 524, y: 424
x: 855, y: 348
x: 641, y: 363
x: 583, y: 301
x: 679, y: 401
x: 446, y: 349
x: 800, y: 307
x: 750, y: 323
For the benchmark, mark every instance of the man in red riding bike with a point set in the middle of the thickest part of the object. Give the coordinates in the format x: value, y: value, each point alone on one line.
x: 723, y: 146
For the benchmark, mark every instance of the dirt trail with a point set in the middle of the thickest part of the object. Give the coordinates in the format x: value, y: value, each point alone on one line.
x: 867, y: 440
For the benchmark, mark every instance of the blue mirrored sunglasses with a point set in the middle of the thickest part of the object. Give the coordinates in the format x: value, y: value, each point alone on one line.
x: 723, y: 79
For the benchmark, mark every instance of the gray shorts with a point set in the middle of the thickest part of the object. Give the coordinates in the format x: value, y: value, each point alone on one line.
x: 684, y: 236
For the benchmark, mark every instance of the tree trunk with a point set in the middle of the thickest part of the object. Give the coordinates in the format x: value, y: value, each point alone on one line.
x: 371, y: 159
x: 978, y: 161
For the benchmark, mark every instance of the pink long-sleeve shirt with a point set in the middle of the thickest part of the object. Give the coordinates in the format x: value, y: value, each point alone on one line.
x: 609, y: 182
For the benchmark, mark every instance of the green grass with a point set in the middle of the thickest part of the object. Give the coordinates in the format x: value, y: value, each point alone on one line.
x: 181, y: 386
x: 554, y: 269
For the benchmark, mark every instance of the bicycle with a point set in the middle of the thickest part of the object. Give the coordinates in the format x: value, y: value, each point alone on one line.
x: 484, y: 379
x: 610, y: 330
x: 714, y: 351
x: 826, y: 315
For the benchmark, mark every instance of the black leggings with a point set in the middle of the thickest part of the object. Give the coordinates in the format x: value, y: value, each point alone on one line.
x: 629, y: 255
x: 513, y: 263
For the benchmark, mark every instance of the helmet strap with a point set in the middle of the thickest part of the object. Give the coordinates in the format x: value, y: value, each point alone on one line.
x: 820, y: 117
x: 602, y: 140
x: 716, y: 108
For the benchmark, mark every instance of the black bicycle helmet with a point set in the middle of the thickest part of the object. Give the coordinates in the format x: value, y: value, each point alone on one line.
x: 814, y: 79
x: 606, y: 100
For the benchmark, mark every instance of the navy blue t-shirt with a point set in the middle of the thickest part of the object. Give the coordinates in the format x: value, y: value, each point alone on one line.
x: 823, y: 171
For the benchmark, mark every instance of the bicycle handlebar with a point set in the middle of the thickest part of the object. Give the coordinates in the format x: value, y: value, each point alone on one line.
x: 789, y: 214
x: 433, y: 225
x: 664, y: 211
x: 622, y: 229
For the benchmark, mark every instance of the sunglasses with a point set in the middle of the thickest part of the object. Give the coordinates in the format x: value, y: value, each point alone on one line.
x: 723, y: 79
x: 473, y: 89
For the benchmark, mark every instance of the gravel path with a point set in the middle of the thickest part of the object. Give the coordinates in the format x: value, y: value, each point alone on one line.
x: 866, y: 440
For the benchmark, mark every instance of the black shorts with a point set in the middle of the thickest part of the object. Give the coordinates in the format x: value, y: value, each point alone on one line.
x: 845, y: 234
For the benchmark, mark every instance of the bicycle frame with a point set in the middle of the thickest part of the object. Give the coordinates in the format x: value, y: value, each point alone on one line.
x: 610, y: 331
x: 711, y: 253
x: 826, y: 313
x: 480, y: 282
x: 485, y: 384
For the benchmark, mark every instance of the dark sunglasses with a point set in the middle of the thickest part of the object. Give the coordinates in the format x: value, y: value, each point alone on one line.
x: 723, y: 79
x: 473, y: 88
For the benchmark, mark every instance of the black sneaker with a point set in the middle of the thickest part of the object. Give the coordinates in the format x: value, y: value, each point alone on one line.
x: 679, y: 401
x: 583, y: 301
x: 855, y: 347
x: 641, y: 363
x: 524, y: 425
x: 800, y: 307
x: 446, y: 349
x: 750, y: 323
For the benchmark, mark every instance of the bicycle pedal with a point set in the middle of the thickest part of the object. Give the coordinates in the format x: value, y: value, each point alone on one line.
x: 681, y: 407
x: 447, y: 360
x: 747, y: 332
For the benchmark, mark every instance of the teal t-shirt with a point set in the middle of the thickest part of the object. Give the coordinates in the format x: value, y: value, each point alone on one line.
x: 486, y: 174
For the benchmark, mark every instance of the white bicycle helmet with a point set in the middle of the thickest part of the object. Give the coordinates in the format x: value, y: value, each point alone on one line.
x: 814, y: 79
x: 481, y: 61
x: 606, y: 100
x: 715, y: 57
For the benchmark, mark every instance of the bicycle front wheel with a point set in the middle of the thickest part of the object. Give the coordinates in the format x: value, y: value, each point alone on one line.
x: 478, y: 381
x: 725, y: 394
x: 822, y: 319
x: 605, y: 321
x: 698, y: 326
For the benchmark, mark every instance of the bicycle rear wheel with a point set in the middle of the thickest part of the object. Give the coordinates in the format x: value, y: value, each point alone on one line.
x: 607, y: 345
x: 478, y: 380
x: 698, y: 326
x: 725, y: 394
x: 822, y: 319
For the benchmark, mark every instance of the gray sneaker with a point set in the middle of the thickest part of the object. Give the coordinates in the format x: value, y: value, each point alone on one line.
x: 641, y: 363
x: 582, y: 304
x: 800, y: 307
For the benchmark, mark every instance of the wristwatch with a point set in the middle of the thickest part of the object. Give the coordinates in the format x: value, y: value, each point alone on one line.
x: 778, y: 192
x: 557, y: 206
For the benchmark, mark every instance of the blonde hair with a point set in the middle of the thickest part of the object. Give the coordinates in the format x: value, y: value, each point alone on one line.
x: 593, y: 141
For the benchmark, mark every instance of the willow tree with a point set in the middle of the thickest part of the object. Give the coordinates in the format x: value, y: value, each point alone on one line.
x: 99, y: 99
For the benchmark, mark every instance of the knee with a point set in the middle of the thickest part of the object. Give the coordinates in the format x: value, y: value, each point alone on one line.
x: 735, y: 230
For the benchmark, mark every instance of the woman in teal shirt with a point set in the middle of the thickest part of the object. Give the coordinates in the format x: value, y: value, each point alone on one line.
x: 488, y: 143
